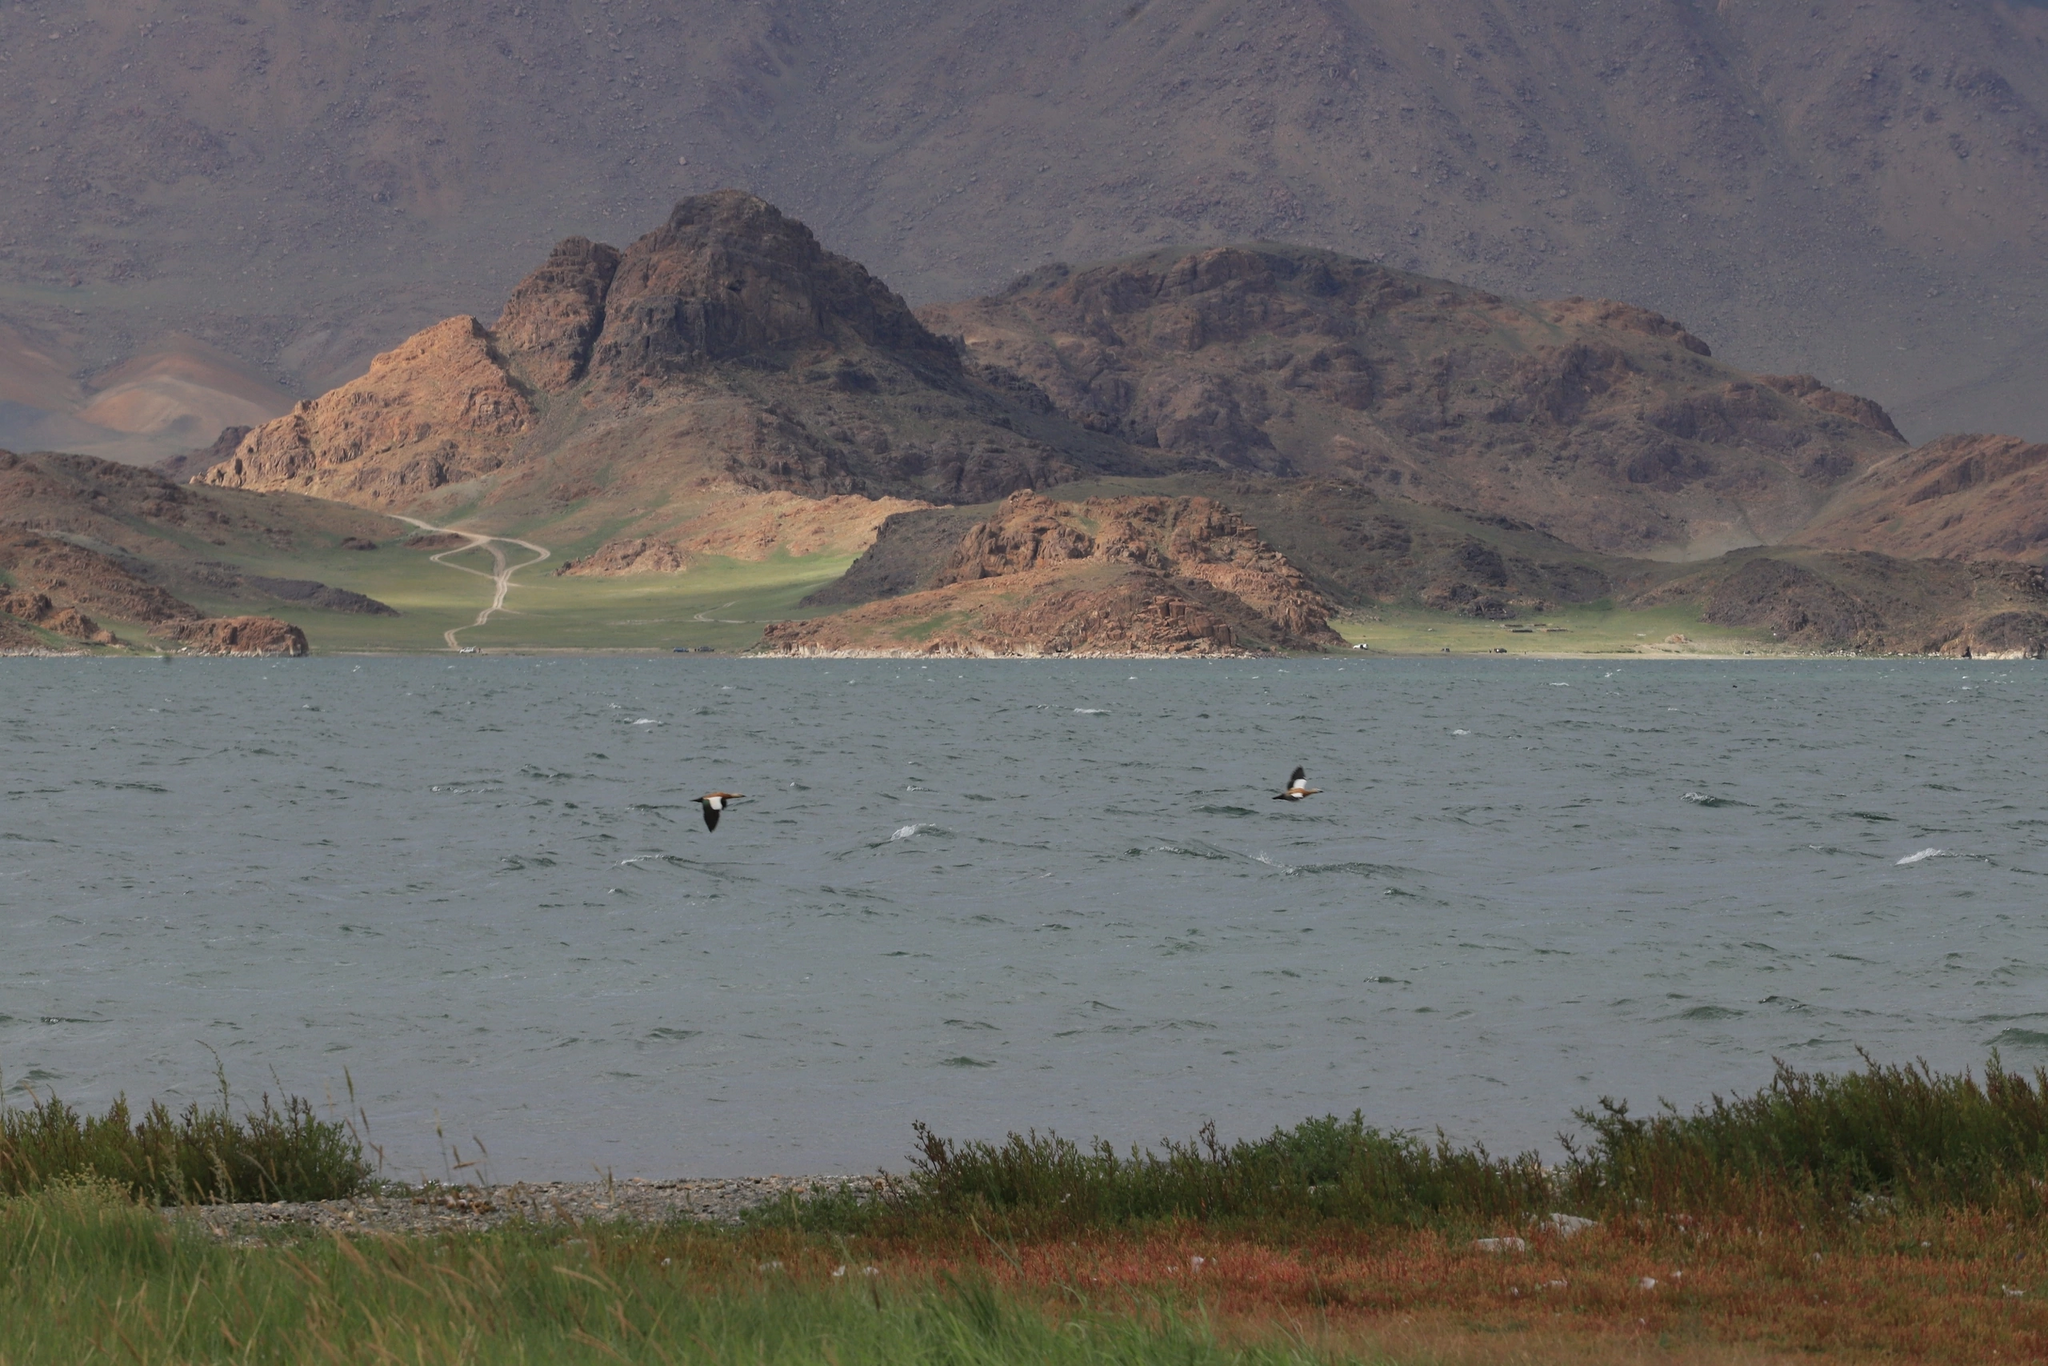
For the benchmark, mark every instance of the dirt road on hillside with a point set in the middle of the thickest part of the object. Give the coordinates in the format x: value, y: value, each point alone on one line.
x: 501, y: 573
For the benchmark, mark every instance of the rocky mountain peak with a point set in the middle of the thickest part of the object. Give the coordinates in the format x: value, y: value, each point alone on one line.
x: 729, y: 277
x: 553, y: 318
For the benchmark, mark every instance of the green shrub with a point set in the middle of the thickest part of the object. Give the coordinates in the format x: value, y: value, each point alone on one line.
x: 203, y: 1155
x: 1905, y: 1134
x: 1807, y: 1145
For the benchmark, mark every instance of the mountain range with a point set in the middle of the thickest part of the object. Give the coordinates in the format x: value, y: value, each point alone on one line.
x: 1189, y: 451
x: 272, y: 194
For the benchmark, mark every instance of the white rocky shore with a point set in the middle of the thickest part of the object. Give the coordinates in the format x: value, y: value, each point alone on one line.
x: 443, y: 1209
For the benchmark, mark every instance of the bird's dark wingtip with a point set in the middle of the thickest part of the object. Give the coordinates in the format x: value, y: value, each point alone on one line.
x: 710, y: 816
x: 1298, y: 774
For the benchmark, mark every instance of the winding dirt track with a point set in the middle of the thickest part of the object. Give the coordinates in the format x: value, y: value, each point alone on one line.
x: 501, y: 569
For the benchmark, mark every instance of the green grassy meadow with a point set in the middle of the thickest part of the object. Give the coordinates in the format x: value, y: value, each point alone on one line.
x: 85, y: 1275
x: 719, y: 603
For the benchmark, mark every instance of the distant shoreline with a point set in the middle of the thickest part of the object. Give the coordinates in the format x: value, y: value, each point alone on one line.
x: 644, y: 652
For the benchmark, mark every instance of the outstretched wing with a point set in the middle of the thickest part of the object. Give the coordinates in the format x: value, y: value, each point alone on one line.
x: 710, y: 816
x: 1298, y: 778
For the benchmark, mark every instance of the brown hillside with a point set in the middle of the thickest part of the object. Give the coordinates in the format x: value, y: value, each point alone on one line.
x: 1601, y: 423
x: 1857, y: 190
x: 1132, y: 575
x: 1872, y: 602
x: 117, y: 544
x: 1961, y: 496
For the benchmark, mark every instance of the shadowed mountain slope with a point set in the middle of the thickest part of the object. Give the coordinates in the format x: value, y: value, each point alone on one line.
x: 1602, y: 423
x: 1960, y: 496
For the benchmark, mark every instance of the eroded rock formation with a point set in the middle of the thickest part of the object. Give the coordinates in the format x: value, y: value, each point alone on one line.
x: 1132, y: 575
x: 241, y: 636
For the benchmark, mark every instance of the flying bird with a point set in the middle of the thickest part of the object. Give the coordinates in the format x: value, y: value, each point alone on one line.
x: 714, y: 802
x: 1297, y: 788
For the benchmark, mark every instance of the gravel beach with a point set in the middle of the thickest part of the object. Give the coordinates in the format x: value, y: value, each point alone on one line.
x: 442, y: 1209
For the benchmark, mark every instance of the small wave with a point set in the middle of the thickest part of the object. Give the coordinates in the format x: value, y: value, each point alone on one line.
x: 1225, y: 811
x: 1091, y: 711
x: 907, y: 831
x: 647, y: 721
x: 1461, y: 732
x: 2020, y: 1038
x: 964, y: 1061
x: 1922, y: 857
x: 1708, y: 1013
x: 1285, y: 868
x: 1702, y: 799
x: 1359, y: 869
x: 1193, y: 849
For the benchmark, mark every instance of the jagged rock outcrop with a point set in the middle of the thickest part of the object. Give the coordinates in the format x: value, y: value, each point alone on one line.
x: 241, y: 636
x: 1188, y: 538
x: 730, y: 277
x: 553, y: 318
x: 438, y: 409
x: 37, y: 610
x: 1863, y: 412
x: 1965, y: 495
x: 17, y: 639
x: 1604, y: 424
x: 1131, y: 575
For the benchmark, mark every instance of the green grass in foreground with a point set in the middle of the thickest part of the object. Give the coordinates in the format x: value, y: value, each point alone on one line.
x: 204, y: 1154
x: 86, y: 1275
x: 1808, y: 1146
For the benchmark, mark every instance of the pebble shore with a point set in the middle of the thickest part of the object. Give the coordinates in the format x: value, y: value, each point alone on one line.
x: 449, y: 1209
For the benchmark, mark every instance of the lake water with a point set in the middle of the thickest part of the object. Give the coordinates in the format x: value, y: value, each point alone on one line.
x: 1000, y: 895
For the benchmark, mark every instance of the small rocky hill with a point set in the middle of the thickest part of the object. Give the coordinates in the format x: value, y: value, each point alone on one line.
x: 1133, y: 575
x: 103, y: 553
x: 1606, y: 425
x: 1361, y: 550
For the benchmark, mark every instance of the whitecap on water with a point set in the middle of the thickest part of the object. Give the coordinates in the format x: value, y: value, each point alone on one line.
x: 647, y: 721
x: 1091, y: 711
x: 907, y: 831
x: 1923, y: 855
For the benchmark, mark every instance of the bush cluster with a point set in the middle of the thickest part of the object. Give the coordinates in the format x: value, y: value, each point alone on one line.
x: 1807, y: 1145
x: 203, y: 1155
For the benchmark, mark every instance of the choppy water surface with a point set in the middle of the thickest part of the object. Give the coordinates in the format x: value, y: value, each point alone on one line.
x: 1001, y: 895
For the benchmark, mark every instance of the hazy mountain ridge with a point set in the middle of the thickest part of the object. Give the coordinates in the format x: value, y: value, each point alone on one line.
x: 1854, y: 191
